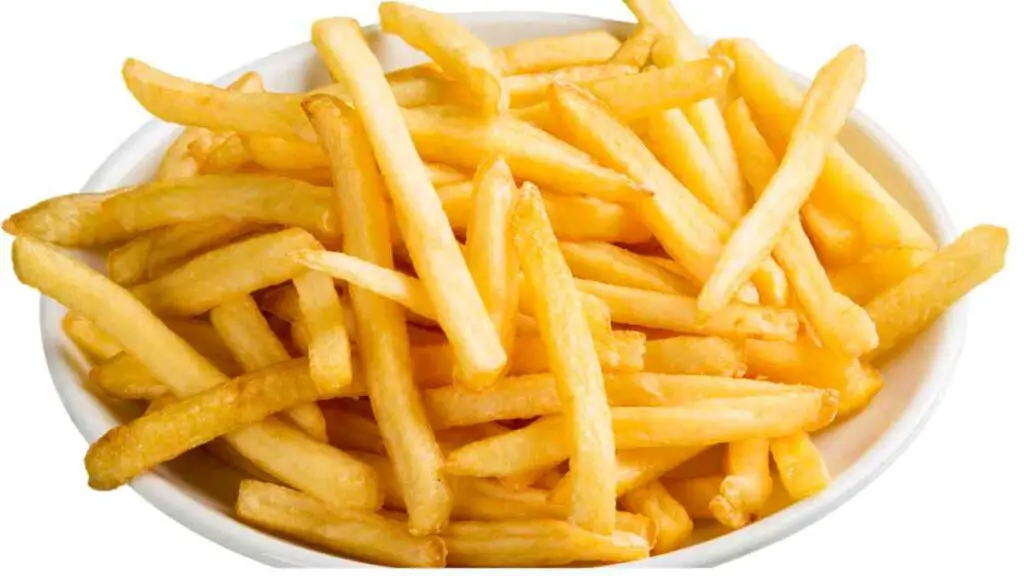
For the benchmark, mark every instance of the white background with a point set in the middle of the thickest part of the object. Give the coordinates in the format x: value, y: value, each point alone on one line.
x: 944, y: 80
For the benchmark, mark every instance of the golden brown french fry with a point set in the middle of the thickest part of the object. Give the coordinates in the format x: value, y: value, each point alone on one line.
x: 840, y: 323
x: 122, y: 376
x: 157, y: 251
x: 844, y: 183
x: 89, y: 338
x: 611, y: 264
x: 421, y: 219
x: 246, y: 333
x: 351, y: 431
x: 708, y: 355
x: 276, y: 153
x: 802, y: 362
x: 801, y: 468
x: 330, y: 358
x: 255, y: 198
x: 698, y: 423
x: 638, y: 96
x: 673, y: 523
x: 553, y: 52
x: 635, y: 468
x: 876, y: 272
x: 573, y: 360
x: 73, y: 221
x: 531, y: 153
x: 227, y: 157
x: 747, y: 484
x: 226, y: 273
x: 636, y: 50
x: 527, y: 89
x: 526, y: 543
x: 574, y: 218
x: 490, y: 253
x: 909, y: 307
x: 461, y: 55
x: 695, y: 494
x: 826, y: 106
x: 381, y: 337
x: 350, y: 532
x: 679, y: 313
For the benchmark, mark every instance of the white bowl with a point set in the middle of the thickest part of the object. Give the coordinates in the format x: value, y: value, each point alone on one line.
x: 198, y: 491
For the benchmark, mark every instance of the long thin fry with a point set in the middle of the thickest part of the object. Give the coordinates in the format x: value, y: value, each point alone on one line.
x: 551, y: 53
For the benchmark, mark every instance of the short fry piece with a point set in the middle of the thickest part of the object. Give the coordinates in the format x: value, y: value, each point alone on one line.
x: 801, y: 468
x: 747, y: 484
x: 351, y: 532
x: 673, y: 523
x: 910, y: 306
x: 330, y: 358
x: 90, y: 339
x: 708, y: 355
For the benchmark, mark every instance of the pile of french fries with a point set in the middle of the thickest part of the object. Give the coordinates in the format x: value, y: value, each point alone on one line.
x: 544, y: 304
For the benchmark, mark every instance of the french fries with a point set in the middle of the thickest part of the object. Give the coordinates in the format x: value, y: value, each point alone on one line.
x: 73, y: 221
x: 611, y: 264
x: 670, y: 518
x: 801, y: 468
x: 696, y: 494
x: 636, y: 50
x: 877, y: 272
x: 574, y: 363
x: 708, y: 355
x: 527, y: 89
x: 552, y: 53
x: 330, y: 359
x: 421, y: 219
x: 90, y: 339
x: 747, y: 484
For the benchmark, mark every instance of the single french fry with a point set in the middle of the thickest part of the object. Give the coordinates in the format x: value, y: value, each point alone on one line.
x: 421, y: 219
x: 802, y: 362
x: 351, y: 532
x: 527, y: 89
x: 679, y: 313
x: 638, y: 96
x: 330, y: 358
x: 255, y: 198
x: 525, y: 543
x: 636, y: 50
x: 673, y: 523
x: 839, y: 322
x: 461, y: 55
x: 553, y: 52
x: 276, y: 153
x: 910, y: 306
x: 826, y: 106
x: 72, y: 221
x: 226, y: 273
x: 611, y: 264
x: 802, y: 470
x: 574, y: 218
x: 157, y: 251
x: 696, y: 494
x: 876, y: 272
x: 380, y: 336
x: 573, y: 360
x: 747, y: 483
x: 708, y: 355
x: 490, y: 253
x: 351, y: 431
x: 89, y: 338
x: 697, y: 423
x: 246, y: 333
x: 531, y: 153
x: 844, y: 183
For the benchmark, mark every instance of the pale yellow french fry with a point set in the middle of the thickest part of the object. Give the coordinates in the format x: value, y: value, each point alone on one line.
x: 611, y: 264
x: 351, y: 431
x: 330, y: 357
x: 747, y: 484
x: 839, y: 322
x: 910, y: 306
x: 157, y: 251
x: 525, y: 543
x: 835, y: 236
x: 656, y: 89
x: 553, y: 52
x: 89, y: 338
x: 876, y: 272
x: 574, y: 218
x: 574, y: 363
x: 697, y: 423
x: 696, y: 494
x: 421, y: 219
x: 461, y: 55
x: 673, y: 524
x: 802, y: 362
x: 708, y: 355
x: 532, y: 154
x: 490, y: 253
x: 255, y: 198
x: 827, y: 104
x: 679, y: 314
x: 802, y: 470
x: 527, y: 89
x: 226, y: 273
x: 770, y: 281
x: 246, y: 333
x: 844, y: 183
x: 636, y: 50
x: 445, y: 175
x: 350, y: 532
x: 381, y: 337
x: 526, y: 480
x: 73, y: 221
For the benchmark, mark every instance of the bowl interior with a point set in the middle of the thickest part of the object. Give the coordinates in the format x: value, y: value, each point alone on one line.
x: 198, y: 490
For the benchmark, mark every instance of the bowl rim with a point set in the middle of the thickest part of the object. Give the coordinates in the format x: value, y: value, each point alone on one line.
x: 263, y: 547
